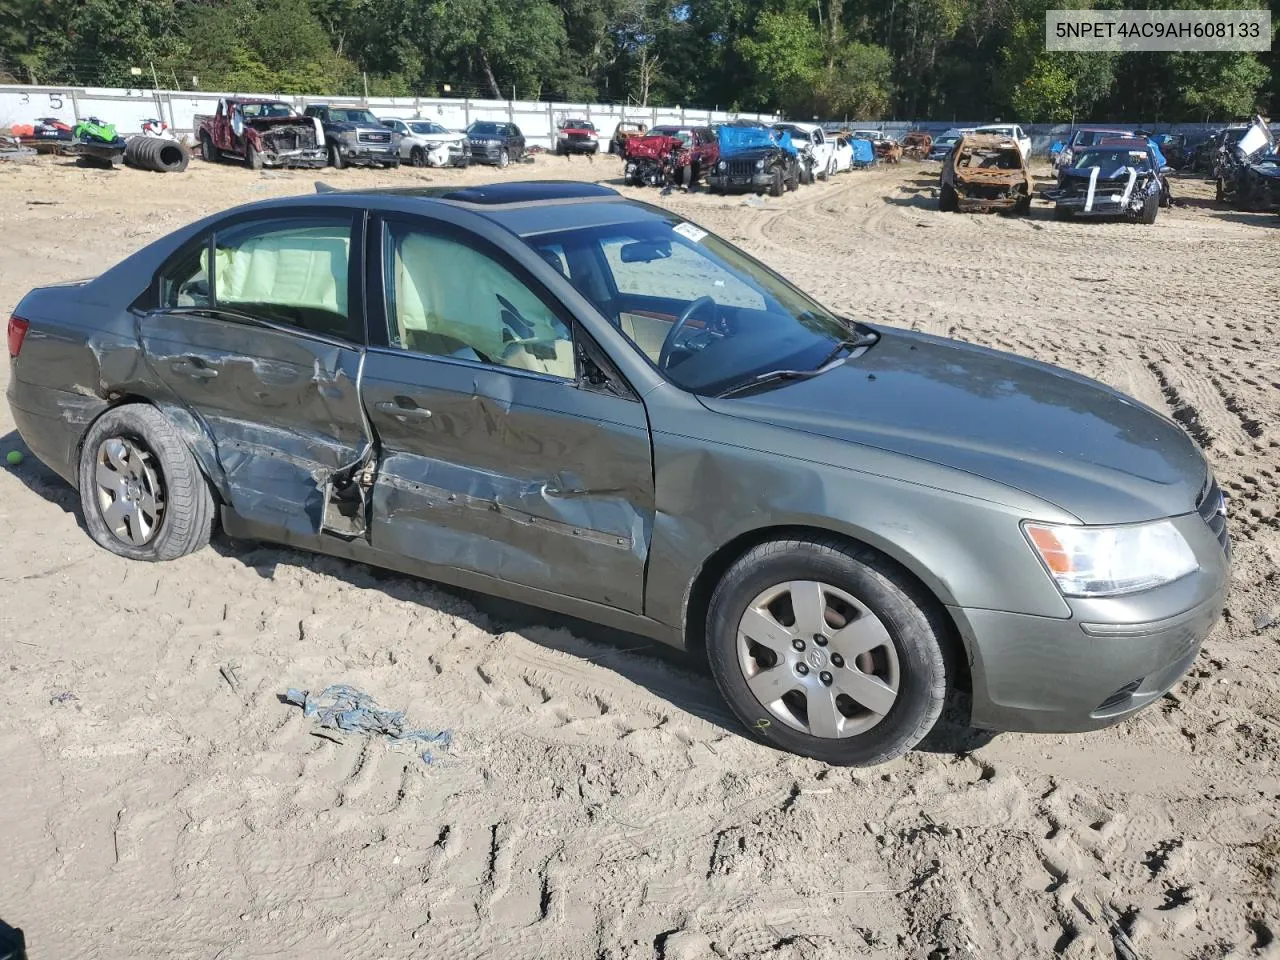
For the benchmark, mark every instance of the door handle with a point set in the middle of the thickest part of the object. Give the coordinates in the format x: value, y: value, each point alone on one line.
x: 403, y: 409
x: 194, y: 368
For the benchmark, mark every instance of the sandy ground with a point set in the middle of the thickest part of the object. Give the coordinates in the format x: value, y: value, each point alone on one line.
x: 598, y: 801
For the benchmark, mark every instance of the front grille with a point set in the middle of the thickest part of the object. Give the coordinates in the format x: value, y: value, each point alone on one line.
x: 1212, y: 509
x: 374, y: 136
x: 740, y: 169
x: 578, y: 136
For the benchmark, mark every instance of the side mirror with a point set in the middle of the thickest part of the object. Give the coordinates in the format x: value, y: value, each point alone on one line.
x: 1166, y: 170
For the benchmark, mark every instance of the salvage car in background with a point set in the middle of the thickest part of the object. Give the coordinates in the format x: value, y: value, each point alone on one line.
x: 576, y: 136
x: 984, y: 173
x: 262, y: 133
x: 1011, y: 131
x: 669, y: 154
x: 625, y: 130
x: 751, y: 158
x: 917, y: 144
x: 425, y: 143
x: 495, y: 142
x: 852, y: 521
x: 816, y: 153
x: 356, y: 137
x: 943, y: 145
x: 1248, y: 174
x: 1080, y: 138
x: 1115, y: 177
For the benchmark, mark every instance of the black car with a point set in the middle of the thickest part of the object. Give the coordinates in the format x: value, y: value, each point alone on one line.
x: 495, y: 142
x: 356, y: 137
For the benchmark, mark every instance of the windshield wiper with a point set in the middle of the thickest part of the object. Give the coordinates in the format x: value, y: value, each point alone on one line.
x: 851, y: 344
x: 764, y: 378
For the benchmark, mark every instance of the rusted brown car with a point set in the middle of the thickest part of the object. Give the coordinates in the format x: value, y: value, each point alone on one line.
x: 623, y: 132
x: 985, y: 173
x: 917, y: 145
x: 888, y: 151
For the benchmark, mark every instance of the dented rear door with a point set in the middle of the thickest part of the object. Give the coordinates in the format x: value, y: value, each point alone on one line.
x: 279, y: 400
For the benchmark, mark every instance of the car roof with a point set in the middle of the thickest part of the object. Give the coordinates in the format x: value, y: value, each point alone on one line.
x: 989, y: 141
x: 523, y: 207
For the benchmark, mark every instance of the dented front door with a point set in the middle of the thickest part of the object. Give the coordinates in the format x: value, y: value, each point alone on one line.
x: 512, y: 475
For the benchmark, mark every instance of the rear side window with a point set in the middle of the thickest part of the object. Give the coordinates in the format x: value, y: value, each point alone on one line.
x: 293, y: 271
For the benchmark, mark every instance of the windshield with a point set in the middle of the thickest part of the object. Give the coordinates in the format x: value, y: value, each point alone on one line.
x: 945, y: 141
x: 351, y: 115
x: 1109, y: 160
x: 740, y: 319
x: 796, y: 132
x: 426, y: 126
x: 684, y: 136
x: 577, y: 125
x: 265, y: 110
x: 484, y: 130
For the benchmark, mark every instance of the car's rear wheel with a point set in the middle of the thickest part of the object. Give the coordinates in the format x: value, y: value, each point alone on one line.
x: 141, y: 490
x: 828, y: 650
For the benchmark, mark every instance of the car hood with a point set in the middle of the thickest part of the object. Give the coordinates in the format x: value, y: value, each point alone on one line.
x: 1050, y: 433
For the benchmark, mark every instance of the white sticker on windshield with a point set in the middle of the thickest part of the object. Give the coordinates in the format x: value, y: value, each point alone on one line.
x: 690, y: 232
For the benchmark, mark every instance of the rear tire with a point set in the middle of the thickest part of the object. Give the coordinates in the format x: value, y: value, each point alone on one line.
x: 135, y: 448
x: 870, y: 708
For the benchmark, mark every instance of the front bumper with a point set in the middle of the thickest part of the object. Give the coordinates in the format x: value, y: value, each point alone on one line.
x: 485, y: 153
x: 368, y: 154
x: 761, y: 180
x: 307, y: 157
x: 1107, y: 202
x: 578, y: 146
x: 448, y: 155
x: 1111, y: 658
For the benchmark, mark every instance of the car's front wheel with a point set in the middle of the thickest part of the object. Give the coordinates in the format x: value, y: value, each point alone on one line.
x: 141, y: 490
x: 828, y: 650
x: 504, y: 158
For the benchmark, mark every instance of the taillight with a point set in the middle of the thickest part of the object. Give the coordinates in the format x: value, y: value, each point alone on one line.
x: 17, y: 333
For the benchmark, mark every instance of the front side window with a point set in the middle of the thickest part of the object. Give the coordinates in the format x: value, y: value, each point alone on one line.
x: 448, y: 298
x: 292, y: 271
x: 703, y: 312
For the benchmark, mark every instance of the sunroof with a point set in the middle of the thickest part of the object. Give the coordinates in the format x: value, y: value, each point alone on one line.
x: 528, y: 191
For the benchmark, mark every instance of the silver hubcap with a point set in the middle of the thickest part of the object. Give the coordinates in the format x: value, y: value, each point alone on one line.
x: 817, y: 659
x: 130, y: 492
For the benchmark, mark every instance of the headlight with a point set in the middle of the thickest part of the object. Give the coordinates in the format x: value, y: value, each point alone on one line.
x: 759, y: 164
x: 1108, y: 561
x: 723, y: 165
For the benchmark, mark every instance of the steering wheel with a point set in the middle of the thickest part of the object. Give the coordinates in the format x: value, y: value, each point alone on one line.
x: 664, y: 355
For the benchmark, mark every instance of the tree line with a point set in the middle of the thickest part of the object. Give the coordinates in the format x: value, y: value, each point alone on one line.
x: 863, y: 59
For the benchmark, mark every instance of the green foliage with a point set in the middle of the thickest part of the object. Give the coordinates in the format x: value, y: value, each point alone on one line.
x: 861, y: 59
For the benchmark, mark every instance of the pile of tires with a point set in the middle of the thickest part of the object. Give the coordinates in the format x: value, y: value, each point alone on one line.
x: 153, y: 153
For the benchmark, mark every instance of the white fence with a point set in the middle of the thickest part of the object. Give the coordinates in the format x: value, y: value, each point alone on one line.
x: 127, y: 109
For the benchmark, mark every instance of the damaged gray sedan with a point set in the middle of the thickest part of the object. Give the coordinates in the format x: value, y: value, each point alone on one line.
x: 551, y: 393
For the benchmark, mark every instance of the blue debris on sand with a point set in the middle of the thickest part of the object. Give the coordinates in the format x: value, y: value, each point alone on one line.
x: 341, y: 707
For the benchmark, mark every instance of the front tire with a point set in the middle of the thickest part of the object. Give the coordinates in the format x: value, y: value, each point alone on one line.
x: 948, y: 202
x: 775, y: 184
x: 207, y: 151
x: 504, y: 158
x: 828, y: 650
x: 418, y: 157
x: 252, y: 158
x: 1150, y: 209
x: 336, y: 160
x: 141, y: 490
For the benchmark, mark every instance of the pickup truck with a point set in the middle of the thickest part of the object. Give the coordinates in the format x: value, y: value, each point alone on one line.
x: 262, y: 133
x: 817, y: 153
x: 356, y: 137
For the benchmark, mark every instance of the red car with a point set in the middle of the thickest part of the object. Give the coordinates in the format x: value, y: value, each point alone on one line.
x: 671, y: 154
x: 577, y: 136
